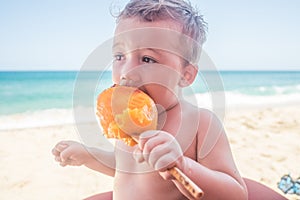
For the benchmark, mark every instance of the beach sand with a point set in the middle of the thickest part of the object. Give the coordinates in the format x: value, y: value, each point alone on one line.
x: 264, y: 141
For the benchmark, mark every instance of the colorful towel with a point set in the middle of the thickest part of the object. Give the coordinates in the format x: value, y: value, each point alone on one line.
x: 289, y: 186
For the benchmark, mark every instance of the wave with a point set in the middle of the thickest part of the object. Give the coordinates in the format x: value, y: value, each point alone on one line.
x: 55, y: 116
x: 235, y: 99
x: 45, y: 118
x: 40, y: 118
x: 265, y: 90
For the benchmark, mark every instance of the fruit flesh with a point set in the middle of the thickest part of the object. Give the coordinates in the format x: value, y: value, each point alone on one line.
x: 125, y: 112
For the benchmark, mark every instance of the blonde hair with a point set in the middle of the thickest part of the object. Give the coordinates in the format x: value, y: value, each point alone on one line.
x: 182, y: 12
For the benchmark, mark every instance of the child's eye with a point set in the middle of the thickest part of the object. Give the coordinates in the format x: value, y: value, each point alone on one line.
x: 147, y: 59
x: 118, y: 57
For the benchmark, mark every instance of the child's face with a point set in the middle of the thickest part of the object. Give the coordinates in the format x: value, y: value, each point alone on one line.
x: 146, y: 56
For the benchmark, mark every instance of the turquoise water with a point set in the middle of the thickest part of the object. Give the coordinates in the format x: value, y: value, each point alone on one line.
x: 262, y: 83
x: 32, y: 91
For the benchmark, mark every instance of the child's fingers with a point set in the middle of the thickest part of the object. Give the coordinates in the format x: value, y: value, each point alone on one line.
x: 138, y: 155
x: 159, y: 157
x: 66, y: 154
x: 63, y: 164
x: 59, y: 147
x: 164, y: 162
x: 145, y: 136
x: 57, y: 151
x: 65, y: 157
x: 57, y: 159
x: 150, y: 145
x: 166, y: 175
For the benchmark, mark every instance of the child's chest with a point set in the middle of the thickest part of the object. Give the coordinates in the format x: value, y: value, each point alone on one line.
x: 182, y: 125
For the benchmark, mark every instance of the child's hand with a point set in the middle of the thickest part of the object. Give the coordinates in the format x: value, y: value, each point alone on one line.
x: 70, y: 153
x: 160, y: 150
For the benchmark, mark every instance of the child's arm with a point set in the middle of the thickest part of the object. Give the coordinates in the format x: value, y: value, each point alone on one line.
x: 216, y: 173
x: 76, y: 154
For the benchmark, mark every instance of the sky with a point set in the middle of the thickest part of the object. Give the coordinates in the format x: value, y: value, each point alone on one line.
x: 60, y: 34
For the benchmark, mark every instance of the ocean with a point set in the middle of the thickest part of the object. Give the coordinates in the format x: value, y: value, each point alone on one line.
x: 50, y: 93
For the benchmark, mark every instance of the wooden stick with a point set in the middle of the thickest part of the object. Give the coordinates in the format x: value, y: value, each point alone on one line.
x: 189, y: 185
x: 186, y: 182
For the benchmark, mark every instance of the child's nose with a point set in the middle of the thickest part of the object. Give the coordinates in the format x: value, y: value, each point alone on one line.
x: 130, y: 73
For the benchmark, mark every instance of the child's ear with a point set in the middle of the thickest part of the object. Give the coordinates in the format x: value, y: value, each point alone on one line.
x: 189, y: 74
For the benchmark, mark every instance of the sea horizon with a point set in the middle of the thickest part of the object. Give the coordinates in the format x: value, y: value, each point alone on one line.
x: 50, y: 93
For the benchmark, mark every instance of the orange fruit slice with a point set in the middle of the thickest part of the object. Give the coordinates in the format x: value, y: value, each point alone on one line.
x: 125, y: 112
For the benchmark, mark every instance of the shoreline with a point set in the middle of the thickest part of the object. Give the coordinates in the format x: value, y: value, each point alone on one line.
x: 65, y: 116
x: 264, y: 143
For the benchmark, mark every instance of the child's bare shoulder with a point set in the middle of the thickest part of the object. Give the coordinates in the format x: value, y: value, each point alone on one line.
x: 208, y: 116
x: 208, y: 122
x: 204, y: 113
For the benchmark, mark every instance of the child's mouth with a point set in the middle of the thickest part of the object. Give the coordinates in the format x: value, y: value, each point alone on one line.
x: 131, y: 83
